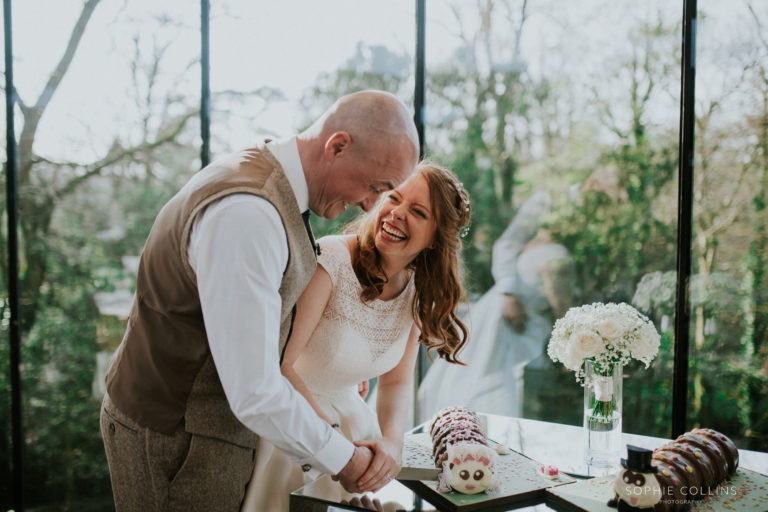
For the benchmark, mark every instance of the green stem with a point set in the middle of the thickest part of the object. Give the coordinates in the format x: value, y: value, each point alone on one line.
x: 602, y: 410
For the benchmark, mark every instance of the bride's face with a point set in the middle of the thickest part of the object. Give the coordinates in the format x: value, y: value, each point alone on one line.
x: 405, y: 224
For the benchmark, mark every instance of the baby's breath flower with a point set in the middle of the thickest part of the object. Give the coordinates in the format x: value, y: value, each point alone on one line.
x: 604, y: 333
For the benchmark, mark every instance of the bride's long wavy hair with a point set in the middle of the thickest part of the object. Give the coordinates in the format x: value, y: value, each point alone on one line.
x: 437, y: 269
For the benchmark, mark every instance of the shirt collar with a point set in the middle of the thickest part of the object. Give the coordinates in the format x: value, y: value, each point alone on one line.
x: 286, y: 152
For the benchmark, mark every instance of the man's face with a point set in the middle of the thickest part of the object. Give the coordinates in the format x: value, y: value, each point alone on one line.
x: 357, y: 180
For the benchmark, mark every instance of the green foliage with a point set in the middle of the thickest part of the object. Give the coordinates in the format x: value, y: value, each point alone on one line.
x: 64, y: 454
x: 6, y: 475
x: 613, y: 231
x: 60, y: 417
x: 647, y: 393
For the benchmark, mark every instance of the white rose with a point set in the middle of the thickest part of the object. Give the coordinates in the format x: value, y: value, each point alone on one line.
x: 609, y: 328
x: 571, y: 358
x: 586, y: 343
x: 646, y: 344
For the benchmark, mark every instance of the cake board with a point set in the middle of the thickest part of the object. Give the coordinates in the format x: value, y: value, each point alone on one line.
x: 745, y: 491
x: 521, y: 482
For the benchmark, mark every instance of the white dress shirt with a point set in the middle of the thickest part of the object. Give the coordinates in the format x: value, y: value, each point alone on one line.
x: 238, y: 252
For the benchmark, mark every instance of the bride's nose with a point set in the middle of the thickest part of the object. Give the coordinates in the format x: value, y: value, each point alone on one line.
x: 397, y: 212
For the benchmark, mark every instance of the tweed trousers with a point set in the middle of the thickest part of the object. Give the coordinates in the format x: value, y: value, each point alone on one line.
x: 152, y: 471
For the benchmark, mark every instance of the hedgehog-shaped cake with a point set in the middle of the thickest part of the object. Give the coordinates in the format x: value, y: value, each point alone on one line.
x: 461, y: 452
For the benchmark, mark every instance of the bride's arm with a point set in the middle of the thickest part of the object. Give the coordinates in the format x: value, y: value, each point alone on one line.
x: 396, y: 392
x: 309, y: 309
x: 392, y: 407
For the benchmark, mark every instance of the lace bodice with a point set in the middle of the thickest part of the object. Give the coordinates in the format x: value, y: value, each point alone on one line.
x: 354, y: 341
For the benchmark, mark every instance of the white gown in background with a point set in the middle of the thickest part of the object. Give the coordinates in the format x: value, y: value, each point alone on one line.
x: 495, y: 354
x: 353, y: 342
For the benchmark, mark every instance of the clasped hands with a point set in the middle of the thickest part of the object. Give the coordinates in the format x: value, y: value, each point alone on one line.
x: 373, y: 465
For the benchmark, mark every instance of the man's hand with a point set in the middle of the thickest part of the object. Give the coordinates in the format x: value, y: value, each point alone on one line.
x: 514, y: 313
x: 349, y: 475
x: 385, y: 465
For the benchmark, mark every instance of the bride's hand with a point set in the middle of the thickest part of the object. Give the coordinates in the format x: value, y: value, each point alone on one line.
x: 385, y: 465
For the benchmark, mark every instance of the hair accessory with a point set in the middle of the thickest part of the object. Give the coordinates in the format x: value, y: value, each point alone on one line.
x: 459, y: 186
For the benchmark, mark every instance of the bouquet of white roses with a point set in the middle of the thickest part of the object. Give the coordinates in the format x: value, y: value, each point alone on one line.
x: 605, y: 334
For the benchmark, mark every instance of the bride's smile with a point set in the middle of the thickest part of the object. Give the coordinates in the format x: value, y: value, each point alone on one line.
x: 405, y: 223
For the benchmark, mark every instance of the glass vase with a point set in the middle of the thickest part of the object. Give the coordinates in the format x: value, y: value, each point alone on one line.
x: 602, y: 415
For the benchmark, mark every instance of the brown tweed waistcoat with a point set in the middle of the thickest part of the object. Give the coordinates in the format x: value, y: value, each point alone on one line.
x: 162, y: 374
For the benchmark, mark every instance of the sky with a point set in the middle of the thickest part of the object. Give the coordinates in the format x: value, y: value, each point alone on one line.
x: 284, y: 45
x: 287, y: 45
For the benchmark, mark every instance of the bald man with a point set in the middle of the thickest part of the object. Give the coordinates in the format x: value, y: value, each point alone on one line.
x: 196, y: 379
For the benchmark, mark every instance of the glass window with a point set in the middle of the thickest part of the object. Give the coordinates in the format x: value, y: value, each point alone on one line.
x: 563, y: 123
x: 276, y: 67
x: 107, y: 130
x: 728, y: 290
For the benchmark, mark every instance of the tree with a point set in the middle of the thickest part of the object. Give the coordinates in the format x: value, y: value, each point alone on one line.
x: 620, y: 227
x: 44, y: 184
x: 483, y: 97
x: 63, y: 261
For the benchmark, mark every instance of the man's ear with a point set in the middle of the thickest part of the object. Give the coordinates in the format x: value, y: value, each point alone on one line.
x: 337, y: 144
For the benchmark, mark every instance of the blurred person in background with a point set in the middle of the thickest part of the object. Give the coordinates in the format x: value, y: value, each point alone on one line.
x: 511, y: 323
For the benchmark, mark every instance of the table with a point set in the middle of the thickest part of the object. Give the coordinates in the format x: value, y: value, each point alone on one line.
x: 549, y: 443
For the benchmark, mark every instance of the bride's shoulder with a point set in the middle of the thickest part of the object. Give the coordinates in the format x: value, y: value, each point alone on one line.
x: 336, y: 244
x: 334, y: 252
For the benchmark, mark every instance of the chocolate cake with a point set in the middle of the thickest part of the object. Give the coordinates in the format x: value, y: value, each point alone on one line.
x: 686, y: 469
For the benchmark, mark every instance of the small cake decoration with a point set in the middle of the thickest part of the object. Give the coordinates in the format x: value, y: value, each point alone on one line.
x: 550, y: 471
x: 636, y: 488
x: 461, y: 452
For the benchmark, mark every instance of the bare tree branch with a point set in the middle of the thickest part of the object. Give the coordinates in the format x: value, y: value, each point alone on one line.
x: 32, y: 114
x: 759, y: 25
x: 112, y: 158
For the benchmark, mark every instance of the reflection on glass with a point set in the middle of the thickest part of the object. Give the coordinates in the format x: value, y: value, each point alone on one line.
x: 728, y: 291
x: 318, y: 496
x: 581, y: 104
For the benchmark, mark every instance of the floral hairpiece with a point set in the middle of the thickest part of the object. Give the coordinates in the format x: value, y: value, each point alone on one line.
x: 465, y: 204
x: 459, y: 187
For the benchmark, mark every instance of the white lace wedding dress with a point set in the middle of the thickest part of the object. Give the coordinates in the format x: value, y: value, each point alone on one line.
x: 353, y: 342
